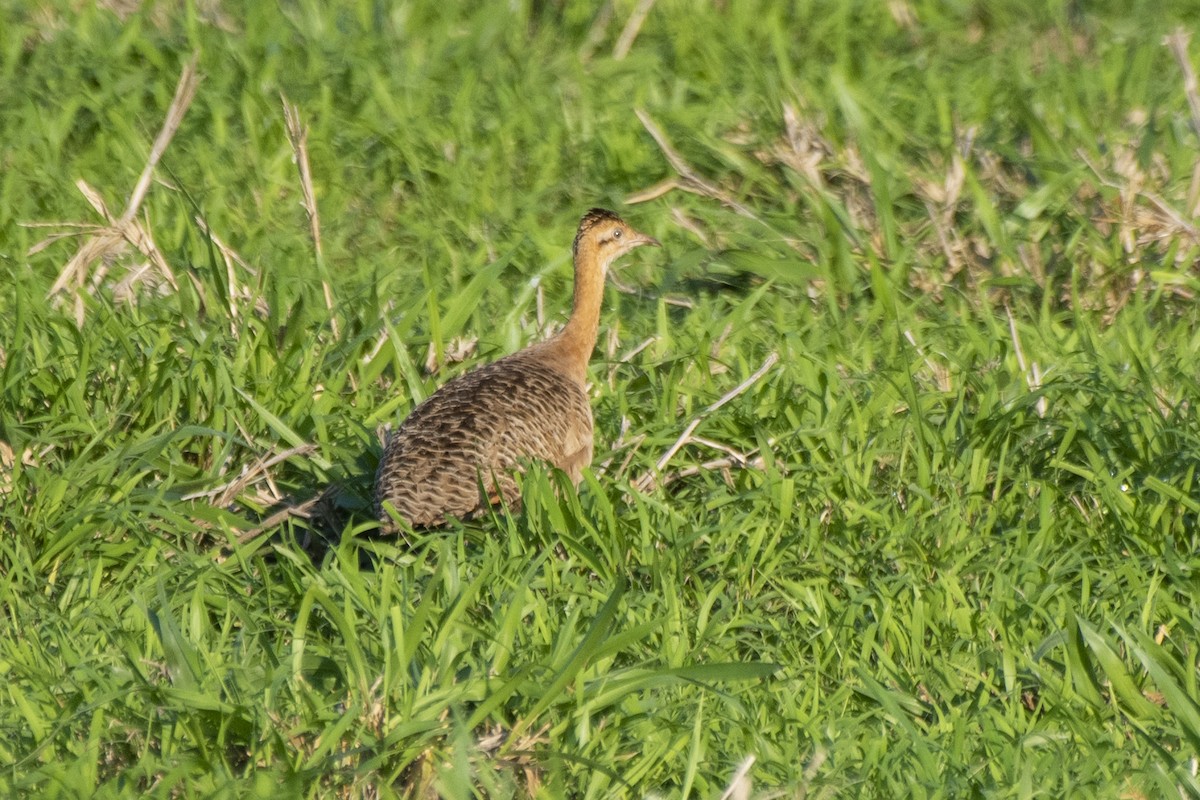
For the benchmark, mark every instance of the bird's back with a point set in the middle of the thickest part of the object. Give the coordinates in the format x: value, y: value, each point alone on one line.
x: 476, y: 430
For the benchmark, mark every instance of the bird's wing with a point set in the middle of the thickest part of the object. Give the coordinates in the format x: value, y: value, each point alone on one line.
x: 483, y: 425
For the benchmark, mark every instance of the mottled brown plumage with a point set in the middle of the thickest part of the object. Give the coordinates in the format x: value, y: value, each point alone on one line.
x: 478, y: 428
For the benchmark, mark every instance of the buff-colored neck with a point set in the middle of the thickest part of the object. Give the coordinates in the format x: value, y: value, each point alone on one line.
x: 571, y: 348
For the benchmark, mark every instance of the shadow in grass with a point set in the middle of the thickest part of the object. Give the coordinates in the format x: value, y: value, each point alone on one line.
x: 315, y: 518
x: 318, y: 520
x: 321, y: 522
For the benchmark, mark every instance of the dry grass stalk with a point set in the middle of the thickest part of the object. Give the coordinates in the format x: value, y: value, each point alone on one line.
x: 941, y: 203
x: 722, y: 465
x: 458, y: 349
x: 1140, y: 225
x: 837, y: 175
x: 649, y: 480
x: 621, y: 443
x: 625, y: 359
x: 229, y: 257
x: 740, y: 786
x: 297, y: 134
x: 595, y: 34
x: 185, y: 91
x: 541, y: 306
x: 903, y: 14
x: 272, y: 522
x: 634, y: 445
x: 660, y: 189
x: 671, y: 300
x: 106, y: 241
x: 1193, y: 195
x: 270, y: 498
x: 1178, y: 42
x: 298, y: 138
x: 736, y: 456
x: 232, y: 258
x: 7, y: 463
x: 382, y: 339
x: 810, y: 771
x: 804, y: 150
x: 227, y: 492
x: 504, y: 751
x: 632, y: 27
x: 1032, y: 373
x: 689, y: 180
x: 941, y: 375
x: 691, y: 226
x: 498, y: 748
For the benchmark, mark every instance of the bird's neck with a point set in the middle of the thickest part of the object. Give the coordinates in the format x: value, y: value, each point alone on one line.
x: 573, y: 345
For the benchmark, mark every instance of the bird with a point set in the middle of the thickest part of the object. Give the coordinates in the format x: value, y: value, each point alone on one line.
x: 479, y: 428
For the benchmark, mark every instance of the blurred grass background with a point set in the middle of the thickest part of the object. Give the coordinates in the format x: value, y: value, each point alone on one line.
x: 945, y: 546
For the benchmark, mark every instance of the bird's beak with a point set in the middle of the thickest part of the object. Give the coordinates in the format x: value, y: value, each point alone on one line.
x: 644, y: 239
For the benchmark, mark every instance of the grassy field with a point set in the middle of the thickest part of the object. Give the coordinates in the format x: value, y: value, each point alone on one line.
x: 895, y: 490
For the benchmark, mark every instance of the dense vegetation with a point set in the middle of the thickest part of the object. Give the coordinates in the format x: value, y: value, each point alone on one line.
x: 895, y: 490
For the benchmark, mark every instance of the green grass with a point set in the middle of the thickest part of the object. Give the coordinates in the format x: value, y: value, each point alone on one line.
x: 965, y: 565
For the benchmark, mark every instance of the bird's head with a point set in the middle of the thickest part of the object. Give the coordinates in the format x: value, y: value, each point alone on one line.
x: 607, y: 236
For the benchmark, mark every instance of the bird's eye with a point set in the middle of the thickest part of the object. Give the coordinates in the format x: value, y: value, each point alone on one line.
x: 617, y: 234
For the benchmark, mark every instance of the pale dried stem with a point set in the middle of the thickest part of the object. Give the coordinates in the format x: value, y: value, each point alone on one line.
x: 649, y: 480
x: 943, y: 234
x: 1032, y: 373
x: 117, y: 232
x: 275, y: 495
x: 226, y: 251
x: 737, y: 456
x: 811, y: 770
x: 1193, y: 195
x: 297, y: 134
x: 616, y: 446
x: 671, y: 300
x: 739, y: 787
x: 595, y: 34
x: 941, y: 204
x: 1163, y: 207
x: 632, y: 27
x: 380, y: 341
x: 231, y: 282
x: 236, y: 290
x: 80, y: 229
x: 185, y: 91
x: 227, y: 492
x: 689, y: 179
x: 625, y: 359
x: 757, y: 462
x: 663, y: 187
x: 635, y: 444
x: 1178, y: 42
x: 611, y: 342
x: 629, y: 356
x: 940, y: 373
x: 279, y: 517
x: 1173, y: 215
x: 690, y: 225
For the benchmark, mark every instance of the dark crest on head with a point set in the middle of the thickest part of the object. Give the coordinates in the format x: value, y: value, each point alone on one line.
x: 590, y: 220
